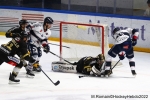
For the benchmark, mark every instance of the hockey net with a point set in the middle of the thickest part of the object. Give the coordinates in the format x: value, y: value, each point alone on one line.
x: 83, y: 40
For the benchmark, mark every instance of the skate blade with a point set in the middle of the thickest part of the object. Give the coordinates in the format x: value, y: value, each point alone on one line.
x: 106, y: 76
x: 102, y: 76
x: 12, y: 82
x: 29, y: 76
x: 134, y: 76
x: 36, y: 71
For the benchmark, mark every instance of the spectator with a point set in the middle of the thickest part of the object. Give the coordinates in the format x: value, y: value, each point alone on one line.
x: 147, y: 11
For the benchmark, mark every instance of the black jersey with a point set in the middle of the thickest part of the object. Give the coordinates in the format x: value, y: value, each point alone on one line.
x: 86, y: 62
x: 10, y: 32
x: 15, y: 46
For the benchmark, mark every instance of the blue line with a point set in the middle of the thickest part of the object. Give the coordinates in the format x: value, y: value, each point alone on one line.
x: 75, y: 12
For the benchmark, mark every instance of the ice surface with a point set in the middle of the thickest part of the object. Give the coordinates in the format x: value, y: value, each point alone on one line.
x: 121, y: 83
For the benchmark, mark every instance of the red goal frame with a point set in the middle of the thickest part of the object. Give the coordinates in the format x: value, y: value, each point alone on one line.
x: 61, y: 32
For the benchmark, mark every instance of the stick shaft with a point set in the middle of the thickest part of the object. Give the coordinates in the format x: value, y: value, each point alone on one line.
x: 58, y: 45
x: 61, y: 58
x: 47, y: 76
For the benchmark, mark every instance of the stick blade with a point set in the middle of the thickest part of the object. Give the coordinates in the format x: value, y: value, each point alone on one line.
x: 57, y: 83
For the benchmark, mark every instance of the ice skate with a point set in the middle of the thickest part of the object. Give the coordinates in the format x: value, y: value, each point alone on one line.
x: 30, y: 74
x: 107, y: 73
x: 12, y: 79
x: 102, y: 74
x: 133, y: 73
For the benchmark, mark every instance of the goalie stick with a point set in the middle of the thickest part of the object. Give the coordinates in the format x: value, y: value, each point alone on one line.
x: 56, y: 83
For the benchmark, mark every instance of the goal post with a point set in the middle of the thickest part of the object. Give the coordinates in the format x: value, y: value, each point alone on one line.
x: 83, y: 39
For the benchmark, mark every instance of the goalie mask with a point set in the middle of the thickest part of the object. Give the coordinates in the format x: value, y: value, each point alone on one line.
x: 100, y: 59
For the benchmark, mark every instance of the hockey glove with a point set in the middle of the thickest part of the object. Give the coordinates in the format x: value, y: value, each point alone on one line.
x: 121, y: 57
x: 29, y: 27
x: 134, y: 42
x: 86, y: 70
x: 46, y: 48
x: 14, y: 35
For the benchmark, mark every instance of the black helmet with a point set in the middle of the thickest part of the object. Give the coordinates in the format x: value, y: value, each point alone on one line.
x: 23, y: 21
x: 48, y: 20
x: 148, y: 1
x: 116, y: 30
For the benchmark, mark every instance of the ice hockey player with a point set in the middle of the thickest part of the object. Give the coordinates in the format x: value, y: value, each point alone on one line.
x: 18, y: 44
x: 39, y: 36
x: 86, y: 65
x: 124, y: 42
x: 16, y: 31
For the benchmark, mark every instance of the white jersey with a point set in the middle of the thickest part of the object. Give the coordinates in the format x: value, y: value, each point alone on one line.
x: 39, y: 34
x: 123, y: 35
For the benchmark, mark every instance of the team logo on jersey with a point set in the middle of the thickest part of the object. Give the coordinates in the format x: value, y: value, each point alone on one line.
x: 126, y: 46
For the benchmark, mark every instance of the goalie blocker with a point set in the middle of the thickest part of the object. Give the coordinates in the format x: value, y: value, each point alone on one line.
x: 86, y: 65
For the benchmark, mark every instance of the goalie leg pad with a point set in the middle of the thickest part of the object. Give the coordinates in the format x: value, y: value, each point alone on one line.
x: 63, y: 67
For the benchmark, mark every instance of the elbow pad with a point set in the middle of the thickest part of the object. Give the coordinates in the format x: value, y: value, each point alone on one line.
x: 134, y: 31
x: 8, y: 34
x: 135, y: 34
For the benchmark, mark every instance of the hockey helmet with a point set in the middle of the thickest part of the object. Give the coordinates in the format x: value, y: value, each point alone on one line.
x: 23, y: 21
x: 116, y: 30
x: 148, y: 1
x: 48, y: 20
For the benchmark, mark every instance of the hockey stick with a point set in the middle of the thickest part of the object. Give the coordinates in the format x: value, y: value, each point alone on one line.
x: 115, y: 64
x: 61, y: 58
x: 83, y: 76
x: 58, y: 45
x: 87, y: 76
x: 56, y: 83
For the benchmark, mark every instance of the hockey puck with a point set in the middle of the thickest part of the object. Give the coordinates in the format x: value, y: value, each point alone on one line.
x: 81, y: 76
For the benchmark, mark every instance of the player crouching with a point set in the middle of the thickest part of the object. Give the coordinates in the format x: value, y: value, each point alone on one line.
x: 86, y: 65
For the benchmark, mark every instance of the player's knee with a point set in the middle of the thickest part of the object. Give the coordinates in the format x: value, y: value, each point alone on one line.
x: 112, y: 54
x: 39, y: 52
x: 20, y: 65
x: 130, y: 56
